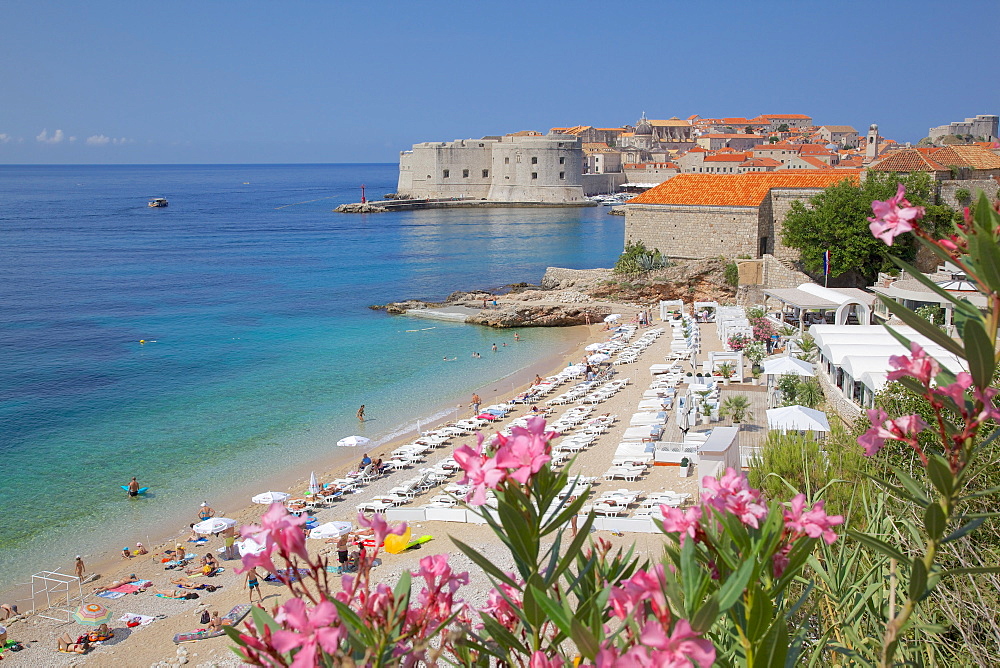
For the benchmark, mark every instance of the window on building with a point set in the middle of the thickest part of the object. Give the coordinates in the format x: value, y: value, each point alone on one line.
x: 506, y: 161
x: 562, y: 175
x: 534, y: 175
x: 486, y: 173
x: 518, y: 158
x: 534, y: 160
x: 465, y: 173
x: 562, y: 160
x: 446, y: 173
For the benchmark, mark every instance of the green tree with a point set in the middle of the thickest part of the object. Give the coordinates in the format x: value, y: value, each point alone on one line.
x: 837, y: 220
x: 783, y: 127
x: 749, y: 130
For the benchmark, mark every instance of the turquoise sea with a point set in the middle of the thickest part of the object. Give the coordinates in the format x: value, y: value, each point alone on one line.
x: 252, y: 296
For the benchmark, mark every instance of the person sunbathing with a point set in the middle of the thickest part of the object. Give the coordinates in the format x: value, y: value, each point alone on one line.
x: 101, y: 633
x: 186, y: 583
x: 173, y: 593
x: 66, y: 644
x: 117, y: 583
x: 215, y: 623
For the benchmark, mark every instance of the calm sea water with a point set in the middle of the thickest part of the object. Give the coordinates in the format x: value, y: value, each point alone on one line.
x: 252, y: 296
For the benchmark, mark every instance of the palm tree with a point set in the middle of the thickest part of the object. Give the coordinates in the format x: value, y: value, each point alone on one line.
x: 736, y: 407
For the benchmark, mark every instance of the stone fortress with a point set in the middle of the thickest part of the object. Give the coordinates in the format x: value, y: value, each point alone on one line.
x: 519, y: 168
x: 983, y: 127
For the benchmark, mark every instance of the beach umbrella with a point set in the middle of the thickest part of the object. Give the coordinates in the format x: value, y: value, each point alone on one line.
x: 92, y: 614
x: 788, y: 365
x: 313, y: 484
x: 331, y: 530
x: 250, y: 546
x: 797, y: 418
x: 598, y: 358
x: 612, y: 317
x: 213, y: 525
x: 594, y: 346
x: 267, y: 498
x: 683, y: 422
x: 353, y: 441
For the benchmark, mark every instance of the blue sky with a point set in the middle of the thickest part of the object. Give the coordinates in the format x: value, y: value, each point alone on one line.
x: 243, y: 81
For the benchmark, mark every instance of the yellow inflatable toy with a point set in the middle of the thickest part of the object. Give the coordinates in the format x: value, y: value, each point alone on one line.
x: 395, y: 544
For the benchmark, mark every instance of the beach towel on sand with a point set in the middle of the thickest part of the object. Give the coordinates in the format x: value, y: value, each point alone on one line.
x: 142, y: 619
x: 112, y: 594
x: 270, y: 577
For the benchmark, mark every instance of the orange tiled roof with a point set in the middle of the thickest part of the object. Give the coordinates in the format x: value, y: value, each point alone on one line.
x: 670, y: 123
x: 735, y: 120
x: 692, y: 117
x: 838, y: 128
x: 815, y: 162
x: 799, y: 117
x: 726, y: 157
x: 748, y: 189
x: 907, y: 160
x: 761, y: 162
x: 975, y: 157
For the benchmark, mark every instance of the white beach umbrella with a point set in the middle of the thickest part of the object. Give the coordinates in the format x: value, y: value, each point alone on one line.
x: 353, y: 441
x: 594, y: 346
x: 797, y: 418
x: 788, y: 365
x: 331, y: 530
x: 267, y: 498
x: 683, y: 422
x: 598, y: 358
x: 313, y: 484
x: 250, y: 546
x: 214, y: 525
x: 612, y: 317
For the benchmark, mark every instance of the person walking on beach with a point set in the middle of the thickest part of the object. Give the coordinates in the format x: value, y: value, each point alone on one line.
x: 133, y: 487
x: 343, y: 545
x: 361, y: 413
x: 206, y: 511
x: 253, y: 582
x: 476, y: 402
x: 79, y: 568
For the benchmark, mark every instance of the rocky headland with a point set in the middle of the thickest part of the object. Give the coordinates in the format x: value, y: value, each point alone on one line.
x: 574, y: 296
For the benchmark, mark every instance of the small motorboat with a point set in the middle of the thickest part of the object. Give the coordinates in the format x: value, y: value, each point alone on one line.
x: 158, y: 202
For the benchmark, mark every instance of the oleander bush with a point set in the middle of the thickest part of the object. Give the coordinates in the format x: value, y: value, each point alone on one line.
x: 903, y: 574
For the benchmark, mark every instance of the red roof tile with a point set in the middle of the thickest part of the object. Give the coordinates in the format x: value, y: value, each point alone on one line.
x: 748, y: 189
x: 907, y: 160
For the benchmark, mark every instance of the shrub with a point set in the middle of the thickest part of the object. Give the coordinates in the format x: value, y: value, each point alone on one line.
x: 637, y: 259
x: 731, y: 274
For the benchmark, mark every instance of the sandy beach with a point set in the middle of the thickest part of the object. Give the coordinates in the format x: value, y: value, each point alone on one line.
x: 153, y: 644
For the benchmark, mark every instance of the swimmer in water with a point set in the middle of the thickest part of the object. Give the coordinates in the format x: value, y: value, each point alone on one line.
x: 450, y: 359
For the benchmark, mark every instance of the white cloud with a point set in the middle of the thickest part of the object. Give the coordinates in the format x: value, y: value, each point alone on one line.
x: 72, y: 139
x: 4, y: 138
x: 104, y: 140
x: 55, y: 138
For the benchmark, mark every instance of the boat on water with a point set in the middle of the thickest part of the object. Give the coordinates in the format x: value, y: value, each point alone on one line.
x: 158, y: 202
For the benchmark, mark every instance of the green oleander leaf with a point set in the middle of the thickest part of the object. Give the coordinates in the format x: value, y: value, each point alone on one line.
x: 935, y: 521
x: 702, y: 620
x: 959, y: 302
x: 940, y: 474
x: 979, y: 352
x: 932, y: 332
x: 971, y: 571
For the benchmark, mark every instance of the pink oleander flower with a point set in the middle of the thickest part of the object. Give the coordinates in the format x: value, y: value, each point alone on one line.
x: 780, y: 561
x: 680, y: 649
x: 956, y: 390
x: 310, y: 630
x: 894, y: 216
x: 989, y: 410
x: 732, y: 494
x: 642, y: 586
x: 278, y: 529
x: 905, y: 429
x: 436, y: 600
x: 380, y: 527
x: 481, y: 472
x: 501, y: 608
x: 813, y: 522
x: 687, y: 524
x: 539, y: 660
x: 526, y: 450
x: 919, y: 365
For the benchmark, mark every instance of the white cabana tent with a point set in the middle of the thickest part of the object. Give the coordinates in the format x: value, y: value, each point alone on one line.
x: 670, y: 307
x: 797, y: 418
x: 780, y: 366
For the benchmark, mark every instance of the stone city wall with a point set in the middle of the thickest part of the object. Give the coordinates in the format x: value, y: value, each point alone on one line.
x: 693, y: 232
x: 948, y: 188
x: 602, y: 184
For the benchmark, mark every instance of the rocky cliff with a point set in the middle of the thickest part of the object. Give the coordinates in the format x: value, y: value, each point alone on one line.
x: 576, y: 296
